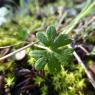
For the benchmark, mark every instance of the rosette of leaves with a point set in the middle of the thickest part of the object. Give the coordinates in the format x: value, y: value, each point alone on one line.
x: 52, y: 51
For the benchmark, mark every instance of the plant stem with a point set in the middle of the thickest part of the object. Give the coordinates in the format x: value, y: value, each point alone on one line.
x: 43, y: 47
x: 14, y: 52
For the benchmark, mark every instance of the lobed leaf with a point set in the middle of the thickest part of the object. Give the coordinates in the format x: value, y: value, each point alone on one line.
x: 38, y: 53
x: 53, y: 64
x: 42, y: 38
x: 62, y: 40
x: 64, y: 56
x: 51, y: 33
x: 40, y: 63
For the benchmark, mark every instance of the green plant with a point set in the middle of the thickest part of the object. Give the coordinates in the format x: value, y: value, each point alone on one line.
x: 9, y: 80
x: 70, y: 82
x: 53, y: 46
x: 52, y: 50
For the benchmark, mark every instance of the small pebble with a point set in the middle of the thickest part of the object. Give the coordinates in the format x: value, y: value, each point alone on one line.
x: 20, y: 55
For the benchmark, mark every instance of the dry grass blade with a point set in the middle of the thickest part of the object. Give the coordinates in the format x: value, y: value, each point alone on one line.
x: 87, y: 9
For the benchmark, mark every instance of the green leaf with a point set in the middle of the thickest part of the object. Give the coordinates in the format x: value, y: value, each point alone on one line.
x: 64, y: 56
x: 40, y: 63
x: 51, y: 33
x: 53, y: 64
x: 38, y: 53
x: 42, y: 38
x: 62, y: 40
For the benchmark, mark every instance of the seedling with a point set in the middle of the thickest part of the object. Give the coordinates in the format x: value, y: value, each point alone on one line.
x: 52, y: 50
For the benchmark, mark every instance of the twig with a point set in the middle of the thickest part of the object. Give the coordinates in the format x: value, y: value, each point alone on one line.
x: 33, y: 43
x: 82, y: 48
x: 89, y: 74
x: 10, y: 54
x: 4, y: 47
x: 92, y: 80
